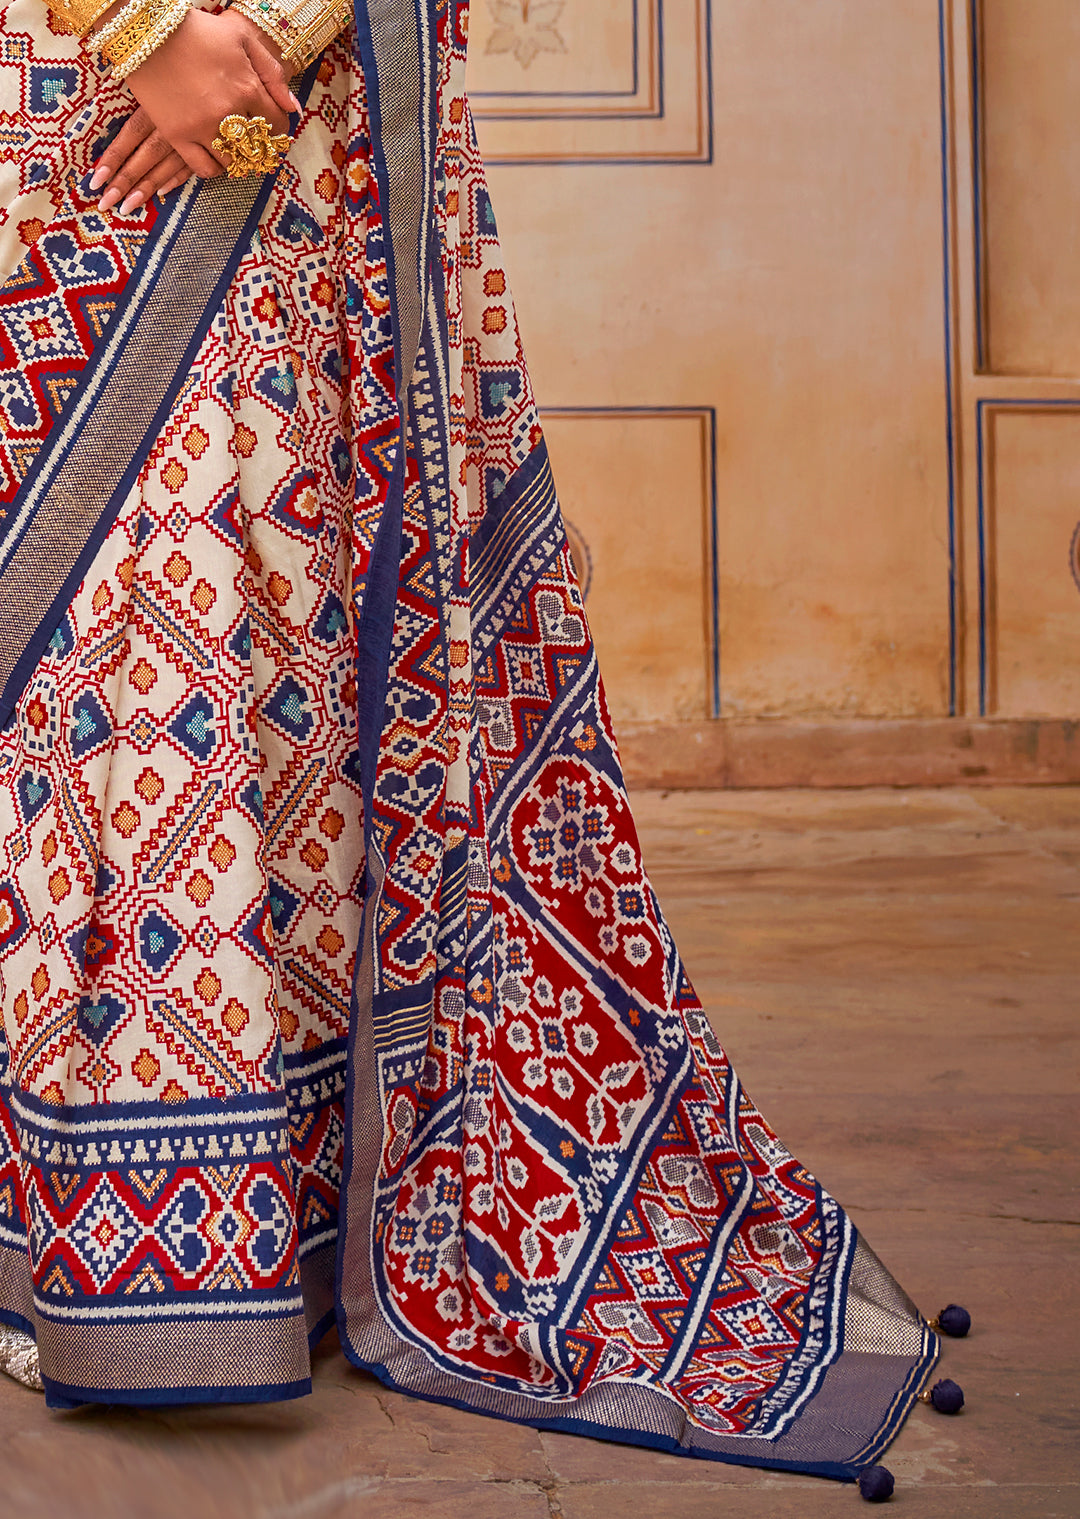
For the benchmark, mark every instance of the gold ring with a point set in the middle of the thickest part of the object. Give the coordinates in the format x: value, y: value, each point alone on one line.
x: 249, y: 146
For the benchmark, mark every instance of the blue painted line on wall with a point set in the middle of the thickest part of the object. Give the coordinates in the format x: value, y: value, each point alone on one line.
x: 714, y: 565
x: 984, y: 589
x: 950, y: 387
x: 977, y: 175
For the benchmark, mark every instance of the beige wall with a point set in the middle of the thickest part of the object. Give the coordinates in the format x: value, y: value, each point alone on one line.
x: 731, y: 271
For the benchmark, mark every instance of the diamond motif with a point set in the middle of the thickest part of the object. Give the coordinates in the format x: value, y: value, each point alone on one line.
x: 273, y: 1224
x: 158, y: 941
x: 91, y: 728
x: 193, y: 726
x: 104, y: 1233
x: 34, y: 793
x: 288, y: 707
x: 14, y: 919
x: 180, y: 1232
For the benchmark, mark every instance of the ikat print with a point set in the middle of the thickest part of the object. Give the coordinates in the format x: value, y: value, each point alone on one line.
x: 184, y: 814
x: 570, y: 1187
x: 557, y: 1034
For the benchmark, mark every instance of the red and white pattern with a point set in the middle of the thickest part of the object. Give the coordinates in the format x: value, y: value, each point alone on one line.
x: 565, y: 1190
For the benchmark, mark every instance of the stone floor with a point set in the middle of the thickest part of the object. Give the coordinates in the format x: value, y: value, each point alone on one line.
x: 895, y: 975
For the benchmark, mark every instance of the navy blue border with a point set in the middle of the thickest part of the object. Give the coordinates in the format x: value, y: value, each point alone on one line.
x: 838, y: 1471
x: 375, y: 631
x: 321, y: 1328
x: 365, y: 48
x: 515, y: 487
x: 61, y: 1396
x: 15, y: 1320
x: 241, y: 1108
x: 373, y: 642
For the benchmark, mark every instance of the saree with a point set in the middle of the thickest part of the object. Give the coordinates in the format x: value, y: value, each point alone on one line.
x: 333, y: 987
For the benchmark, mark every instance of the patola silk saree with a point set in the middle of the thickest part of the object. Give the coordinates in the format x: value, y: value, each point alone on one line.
x: 333, y: 988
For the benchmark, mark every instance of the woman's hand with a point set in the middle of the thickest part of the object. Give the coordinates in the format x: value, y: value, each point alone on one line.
x: 137, y: 164
x: 211, y: 67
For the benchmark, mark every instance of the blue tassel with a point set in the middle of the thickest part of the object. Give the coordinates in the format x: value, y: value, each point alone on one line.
x: 947, y: 1397
x: 876, y: 1483
x: 953, y: 1321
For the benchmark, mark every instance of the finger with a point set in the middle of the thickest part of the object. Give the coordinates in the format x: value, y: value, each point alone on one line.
x: 274, y: 80
x: 174, y: 184
x: 135, y: 131
x: 171, y: 170
x: 143, y: 161
x: 206, y: 164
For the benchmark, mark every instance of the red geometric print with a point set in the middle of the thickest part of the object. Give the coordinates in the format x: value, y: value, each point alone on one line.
x: 332, y: 981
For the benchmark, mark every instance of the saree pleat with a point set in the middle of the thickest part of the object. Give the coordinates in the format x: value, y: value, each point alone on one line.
x: 333, y: 987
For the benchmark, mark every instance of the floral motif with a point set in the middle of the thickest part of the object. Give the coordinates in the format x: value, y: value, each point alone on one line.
x: 526, y: 28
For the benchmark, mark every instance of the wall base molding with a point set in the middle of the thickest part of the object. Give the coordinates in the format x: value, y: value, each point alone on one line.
x: 740, y: 754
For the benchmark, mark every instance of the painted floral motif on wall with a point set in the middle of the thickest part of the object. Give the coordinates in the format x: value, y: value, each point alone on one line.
x: 526, y: 28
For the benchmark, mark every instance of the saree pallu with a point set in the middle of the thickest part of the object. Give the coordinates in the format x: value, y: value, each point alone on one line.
x: 333, y: 987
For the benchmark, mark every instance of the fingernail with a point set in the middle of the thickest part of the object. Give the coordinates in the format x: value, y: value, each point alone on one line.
x: 108, y: 200
x: 296, y: 103
x: 99, y: 176
x: 133, y: 202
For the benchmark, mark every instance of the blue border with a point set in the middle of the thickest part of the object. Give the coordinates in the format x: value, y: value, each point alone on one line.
x: 15, y: 1320
x: 708, y: 414
x: 613, y: 1434
x: 59, y: 1395
x: 842, y: 1472
x: 950, y: 377
x: 243, y: 1109
x: 977, y: 97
